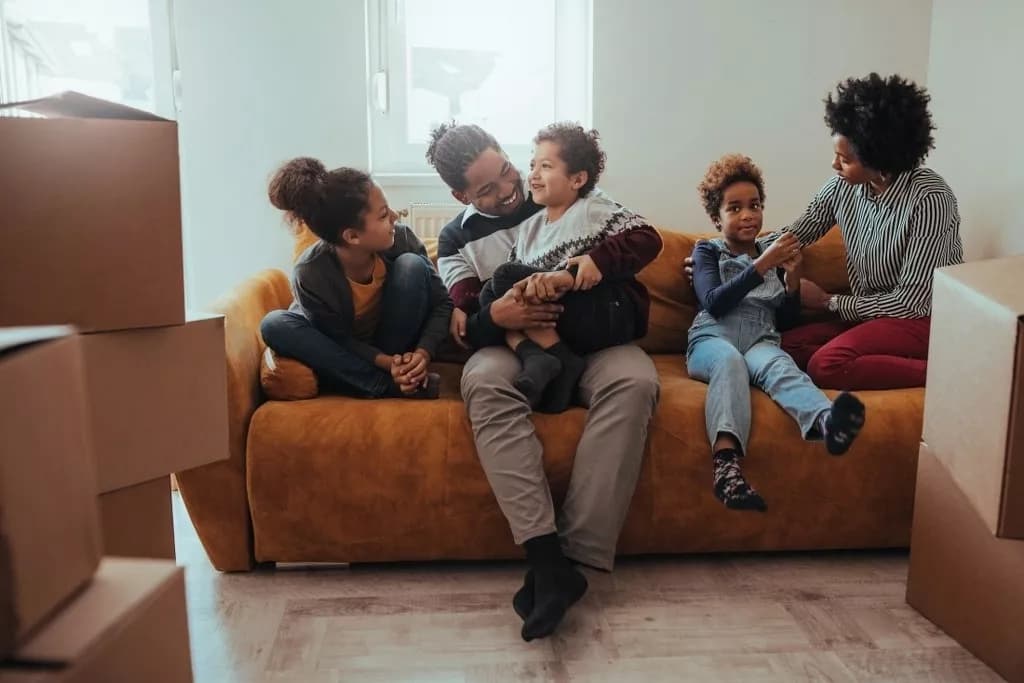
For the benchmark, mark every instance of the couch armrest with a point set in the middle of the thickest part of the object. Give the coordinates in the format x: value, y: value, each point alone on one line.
x: 215, y: 495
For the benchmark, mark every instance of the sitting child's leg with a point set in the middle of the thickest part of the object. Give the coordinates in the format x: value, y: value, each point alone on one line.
x: 727, y: 412
x: 539, y: 367
x: 776, y: 373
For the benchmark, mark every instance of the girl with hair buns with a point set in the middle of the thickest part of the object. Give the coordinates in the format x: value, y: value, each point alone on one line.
x: 369, y: 309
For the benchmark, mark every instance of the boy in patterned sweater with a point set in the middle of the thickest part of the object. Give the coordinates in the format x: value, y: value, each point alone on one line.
x: 581, y: 249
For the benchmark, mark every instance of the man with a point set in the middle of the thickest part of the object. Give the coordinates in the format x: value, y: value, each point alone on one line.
x: 619, y: 387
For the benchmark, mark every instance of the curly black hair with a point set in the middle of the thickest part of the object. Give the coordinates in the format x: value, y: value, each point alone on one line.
x: 328, y: 202
x: 885, y: 119
x: 730, y: 169
x: 580, y: 150
x: 454, y: 147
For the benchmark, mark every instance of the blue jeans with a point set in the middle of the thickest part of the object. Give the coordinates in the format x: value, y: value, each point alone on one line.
x: 405, y: 306
x: 742, y: 350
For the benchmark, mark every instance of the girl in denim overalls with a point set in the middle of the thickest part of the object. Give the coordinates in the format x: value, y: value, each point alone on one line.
x: 746, y: 292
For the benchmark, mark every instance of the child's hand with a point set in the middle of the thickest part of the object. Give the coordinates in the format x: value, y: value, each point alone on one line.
x: 410, y: 370
x: 781, y: 250
x: 794, y: 268
x: 542, y: 287
x: 588, y: 275
x: 457, y: 327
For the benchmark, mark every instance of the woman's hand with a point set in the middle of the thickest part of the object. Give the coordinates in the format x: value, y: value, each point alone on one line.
x: 794, y: 268
x: 783, y: 249
x: 588, y: 275
x: 813, y: 297
x: 457, y: 327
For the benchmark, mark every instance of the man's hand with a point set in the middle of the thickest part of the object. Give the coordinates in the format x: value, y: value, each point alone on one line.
x: 542, y: 288
x: 409, y: 370
x: 813, y: 297
x: 588, y: 275
x: 457, y: 327
x: 794, y: 268
x: 509, y: 314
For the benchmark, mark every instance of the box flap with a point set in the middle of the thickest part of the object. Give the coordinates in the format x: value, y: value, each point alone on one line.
x: 13, y: 337
x: 75, y: 105
x: 998, y: 280
x: 120, y: 588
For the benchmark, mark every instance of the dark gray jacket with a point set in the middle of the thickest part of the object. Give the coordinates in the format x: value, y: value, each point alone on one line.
x: 322, y: 293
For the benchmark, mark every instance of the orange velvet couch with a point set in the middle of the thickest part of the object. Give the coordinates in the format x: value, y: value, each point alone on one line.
x: 336, y: 479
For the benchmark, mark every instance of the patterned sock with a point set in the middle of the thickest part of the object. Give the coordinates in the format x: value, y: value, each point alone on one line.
x: 558, y: 396
x: 843, y: 423
x: 730, y: 486
x: 539, y: 368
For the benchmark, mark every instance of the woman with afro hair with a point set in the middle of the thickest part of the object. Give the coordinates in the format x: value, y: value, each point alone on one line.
x: 899, y: 222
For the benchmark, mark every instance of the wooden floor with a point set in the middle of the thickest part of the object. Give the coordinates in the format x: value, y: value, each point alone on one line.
x: 787, y: 617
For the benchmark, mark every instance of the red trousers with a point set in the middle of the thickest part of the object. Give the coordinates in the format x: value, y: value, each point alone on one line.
x: 885, y: 353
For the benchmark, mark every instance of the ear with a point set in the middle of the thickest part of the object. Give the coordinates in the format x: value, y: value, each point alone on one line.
x: 349, y: 236
x: 578, y: 180
x: 461, y: 196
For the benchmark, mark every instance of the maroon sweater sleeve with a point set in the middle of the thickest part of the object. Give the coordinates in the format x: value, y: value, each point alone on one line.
x: 624, y: 254
x: 466, y: 294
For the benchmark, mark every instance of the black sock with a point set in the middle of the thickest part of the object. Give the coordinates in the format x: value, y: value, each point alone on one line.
x: 522, y: 601
x: 539, y: 368
x: 558, y: 396
x: 556, y: 586
x: 843, y: 423
x: 730, y: 486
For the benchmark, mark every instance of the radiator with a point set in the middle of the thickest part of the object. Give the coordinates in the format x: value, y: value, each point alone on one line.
x: 426, y: 220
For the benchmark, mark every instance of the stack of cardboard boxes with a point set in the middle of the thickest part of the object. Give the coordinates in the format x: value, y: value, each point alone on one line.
x: 97, y: 414
x: 967, y: 547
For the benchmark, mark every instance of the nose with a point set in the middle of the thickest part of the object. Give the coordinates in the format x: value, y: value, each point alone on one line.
x: 835, y: 163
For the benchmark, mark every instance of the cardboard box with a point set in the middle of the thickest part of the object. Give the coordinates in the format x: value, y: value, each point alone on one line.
x: 158, y: 400
x: 967, y: 581
x: 974, y: 408
x: 49, y: 525
x: 128, y: 626
x: 138, y: 521
x: 91, y: 217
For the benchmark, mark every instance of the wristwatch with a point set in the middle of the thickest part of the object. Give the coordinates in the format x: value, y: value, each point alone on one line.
x: 833, y: 304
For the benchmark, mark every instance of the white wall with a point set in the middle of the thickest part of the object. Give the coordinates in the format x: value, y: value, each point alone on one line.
x: 261, y: 82
x: 975, y: 82
x: 678, y: 84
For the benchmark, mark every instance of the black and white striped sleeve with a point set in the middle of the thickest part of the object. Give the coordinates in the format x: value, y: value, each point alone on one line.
x: 933, y: 242
x: 819, y: 217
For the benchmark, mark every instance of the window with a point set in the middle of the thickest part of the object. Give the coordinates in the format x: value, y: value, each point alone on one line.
x: 512, y: 68
x: 102, y: 48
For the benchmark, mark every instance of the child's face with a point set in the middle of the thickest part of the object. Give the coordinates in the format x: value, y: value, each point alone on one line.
x: 550, y: 181
x: 378, y: 232
x: 742, y: 212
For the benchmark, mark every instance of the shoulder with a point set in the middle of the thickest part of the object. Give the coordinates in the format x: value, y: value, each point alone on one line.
x: 708, y: 249
x: 924, y: 181
x: 315, y: 263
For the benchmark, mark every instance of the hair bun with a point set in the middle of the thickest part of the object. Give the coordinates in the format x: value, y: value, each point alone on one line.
x: 297, y: 187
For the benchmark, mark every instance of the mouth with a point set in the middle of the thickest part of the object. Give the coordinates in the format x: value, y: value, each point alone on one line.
x: 512, y: 199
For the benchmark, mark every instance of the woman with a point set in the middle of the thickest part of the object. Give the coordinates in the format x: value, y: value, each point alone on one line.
x: 899, y: 222
x: 369, y: 310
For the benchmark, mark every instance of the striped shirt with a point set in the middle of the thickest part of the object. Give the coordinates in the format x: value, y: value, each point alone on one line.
x: 894, y: 241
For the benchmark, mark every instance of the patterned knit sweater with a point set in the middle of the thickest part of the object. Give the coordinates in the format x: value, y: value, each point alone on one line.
x: 619, y: 241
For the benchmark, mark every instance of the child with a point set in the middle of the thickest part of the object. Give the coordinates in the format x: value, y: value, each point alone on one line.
x: 369, y: 310
x: 581, y: 249
x: 746, y: 292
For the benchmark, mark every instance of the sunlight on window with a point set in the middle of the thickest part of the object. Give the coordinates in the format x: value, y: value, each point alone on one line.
x: 486, y: 67
x: 98, y: 47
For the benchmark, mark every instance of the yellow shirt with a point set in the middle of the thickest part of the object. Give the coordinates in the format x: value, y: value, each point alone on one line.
x: 366, y: 300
